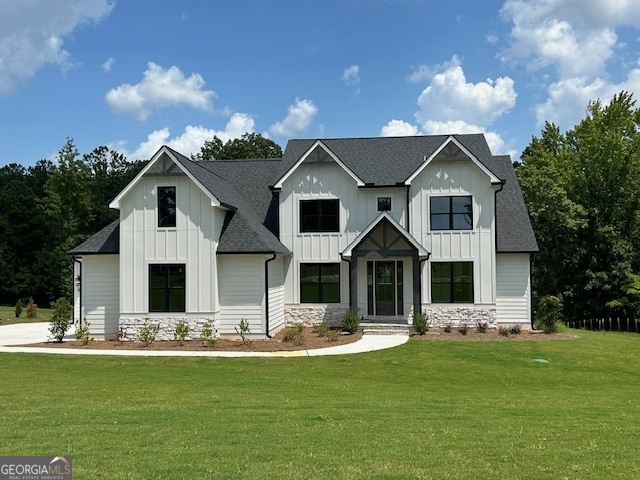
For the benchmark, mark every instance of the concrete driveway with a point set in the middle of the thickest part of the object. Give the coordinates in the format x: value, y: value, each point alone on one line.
x: 23, y: 333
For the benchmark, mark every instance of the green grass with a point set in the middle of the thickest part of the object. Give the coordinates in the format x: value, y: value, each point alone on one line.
x: 8, y: 315
x: 437, y: 410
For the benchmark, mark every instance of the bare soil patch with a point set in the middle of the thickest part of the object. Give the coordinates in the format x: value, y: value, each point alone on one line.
x: 309, y: 341
x: 491, y: 335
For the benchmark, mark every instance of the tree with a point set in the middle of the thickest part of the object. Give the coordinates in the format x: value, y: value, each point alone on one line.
x: 250, y: 145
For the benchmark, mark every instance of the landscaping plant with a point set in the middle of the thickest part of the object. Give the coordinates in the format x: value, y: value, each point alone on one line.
x: 60, y: 318
x: 481, y: 327
x: 148, y: 333
x: 463, y: 329
x: 243, y: 330
x: 18, y: 308
x: 504, y: 331
x: 32, y: 308
x: 181, y: 331
x: 322, y: 329
x: 421, y: 323
x: 549, y: 313
x: 82, y: 332
x: 207, y: 336
x: 350, y: 321
x: 294, y: 334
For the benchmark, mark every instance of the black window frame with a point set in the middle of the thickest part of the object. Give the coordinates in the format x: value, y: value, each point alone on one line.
x: 384, y: 199
x: 452, y: 213
x: 168, y: 286
x: 319, y: 283
x: 316, y: 215
x: 452, y: 283
x: 167, y: 211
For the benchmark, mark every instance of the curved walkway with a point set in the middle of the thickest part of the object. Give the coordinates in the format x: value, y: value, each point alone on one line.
x: 25, y: 333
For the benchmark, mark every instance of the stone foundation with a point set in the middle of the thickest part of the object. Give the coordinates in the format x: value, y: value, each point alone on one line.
x: 454, y: 316
x: 131, y: 326
x: 308, y: 315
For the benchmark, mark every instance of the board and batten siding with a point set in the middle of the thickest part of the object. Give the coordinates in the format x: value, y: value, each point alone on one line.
x: 193, y: 242
x: 100, y: 294
x: 460, y: 177
x: 513, y: 295
x: 276, y: 295
x: 358, y: 208
x: 241, y: 292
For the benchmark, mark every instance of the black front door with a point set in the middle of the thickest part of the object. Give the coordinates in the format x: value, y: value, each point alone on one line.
x: 385, y: 288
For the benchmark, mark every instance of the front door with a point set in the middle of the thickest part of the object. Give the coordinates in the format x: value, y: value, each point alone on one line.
x: 385, y: 288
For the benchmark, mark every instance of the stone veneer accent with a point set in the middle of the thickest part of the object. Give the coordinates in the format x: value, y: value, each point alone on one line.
x: 454, y: 316
x: 308, y: 315
x: 131, y: 326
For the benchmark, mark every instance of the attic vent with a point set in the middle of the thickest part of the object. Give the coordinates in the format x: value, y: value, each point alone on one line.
x: 451, y: 152
x: 318, y: 155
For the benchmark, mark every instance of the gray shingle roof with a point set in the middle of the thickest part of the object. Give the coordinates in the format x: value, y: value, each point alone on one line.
x: 106, y: 241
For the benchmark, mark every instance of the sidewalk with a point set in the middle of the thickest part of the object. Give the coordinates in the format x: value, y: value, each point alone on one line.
x: 24, y: 333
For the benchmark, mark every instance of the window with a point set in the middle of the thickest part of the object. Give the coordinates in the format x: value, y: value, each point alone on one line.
x: 166, y: 206
x: 319, y: 283
x: 167, y: 288
x: 319, y: 215
x: 452, y: 282
x: 384, y: 204
x: 451, y: 213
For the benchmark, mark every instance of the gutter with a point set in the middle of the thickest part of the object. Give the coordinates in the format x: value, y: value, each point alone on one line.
x: 266, y: 292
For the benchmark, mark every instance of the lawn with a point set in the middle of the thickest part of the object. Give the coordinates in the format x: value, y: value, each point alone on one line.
x: 436, y: 410
x: 8, y: 315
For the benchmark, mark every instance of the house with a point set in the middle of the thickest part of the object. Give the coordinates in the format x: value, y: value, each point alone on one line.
x: 386, y: 226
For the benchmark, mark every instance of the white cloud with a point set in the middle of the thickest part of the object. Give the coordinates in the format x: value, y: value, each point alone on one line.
x: 298, y: 119
x: 491, y: 38
x: 398, y: 128
x: 160, y: 88
x: 426, y: 73
x: 450, y: 97
x: 32, y: 34
x: 190, y: 140
x: 108, y: 64
x: 351, y: 77
x: 497, y: 145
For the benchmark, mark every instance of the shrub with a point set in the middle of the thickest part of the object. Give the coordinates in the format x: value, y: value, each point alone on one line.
x: 333, y: 335
x: 294, y: 334
x: 322, y: 329
x: 243, y: 330
x: 504, y: 331
x: 120, y: 334
x: 481, y: 327
x: 421, y: 323
x: 207, y: 335
x: 148, y: 333
x: 515, y: 329
x: 18, y: 308
x: 82, y: 333
x: 549, y: 313
x: 180, y: 332
x: 60, y: 317
x: 463, y: 329
x: 350, y: 321
x: 447, y: 328
x: 32, y: 308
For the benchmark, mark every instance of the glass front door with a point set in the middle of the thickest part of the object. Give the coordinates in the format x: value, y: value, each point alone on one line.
x: 384, y: 288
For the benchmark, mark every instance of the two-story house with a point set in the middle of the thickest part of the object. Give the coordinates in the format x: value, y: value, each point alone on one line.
x: 386, y: 226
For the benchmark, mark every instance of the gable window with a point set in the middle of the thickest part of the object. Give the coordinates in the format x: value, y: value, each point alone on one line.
x: 452, y: 282
x: 166, y: 206
x: 451, y: 213
x: 384, y: 204
x: 167, y: 288
x: 319, y: 216
x: 319, y: 283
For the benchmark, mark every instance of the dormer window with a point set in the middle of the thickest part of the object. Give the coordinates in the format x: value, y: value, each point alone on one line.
x: 166, y: 206
x: 451, y: 213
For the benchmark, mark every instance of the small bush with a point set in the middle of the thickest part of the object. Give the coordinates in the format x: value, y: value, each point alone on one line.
x: 243, y: 330
x: 148, y: 333
x: 322, y: 329
x: 294, y: 334
x: 350, y: 321
x: 32, y: 308
x: 180, y: 332
x: 120, y: 334
x: 481, y: 327
x: 447, y: 328
x: 60, y: 317
x: 504, y: 331
x: 82, y: 333
x: 333, y: 335
x: 421, y: 323
x: 207, y: 335
x: 515, y: 329
x: 18, y: 308
x: 549, y: 313
x: 463, y: 329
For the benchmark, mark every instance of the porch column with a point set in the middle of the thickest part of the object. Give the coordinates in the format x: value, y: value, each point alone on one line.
x: 417, y: 288
x: 353, y: 284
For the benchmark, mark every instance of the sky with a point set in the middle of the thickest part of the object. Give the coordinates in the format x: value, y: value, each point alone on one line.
x: 134, y: 75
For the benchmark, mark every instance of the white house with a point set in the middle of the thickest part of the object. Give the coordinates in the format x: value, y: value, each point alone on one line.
x: 386, y: 226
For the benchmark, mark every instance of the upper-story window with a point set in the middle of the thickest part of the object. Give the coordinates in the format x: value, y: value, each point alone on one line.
x: 384, y: 204
x: 166, y: 206
x: 319, y: 216
x: 451, y: 213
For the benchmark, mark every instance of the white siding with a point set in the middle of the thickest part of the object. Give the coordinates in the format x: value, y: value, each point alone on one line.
x: 513, y: 299
x: 460, y: 177
x: 276, y: 295
x: 241, y: 292
x: 100, y: 294
x: 193, y: 242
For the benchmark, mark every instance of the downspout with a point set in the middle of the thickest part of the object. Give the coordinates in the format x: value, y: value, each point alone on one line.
x: 73, y: 310
x: 531, y: 291
x: 266, y: 292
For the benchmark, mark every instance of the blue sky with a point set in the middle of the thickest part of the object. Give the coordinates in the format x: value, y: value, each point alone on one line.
x: 135, y: 75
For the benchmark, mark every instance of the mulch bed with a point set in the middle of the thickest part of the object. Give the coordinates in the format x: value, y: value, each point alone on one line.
x: 309, y: 341
x: 490, y: 335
